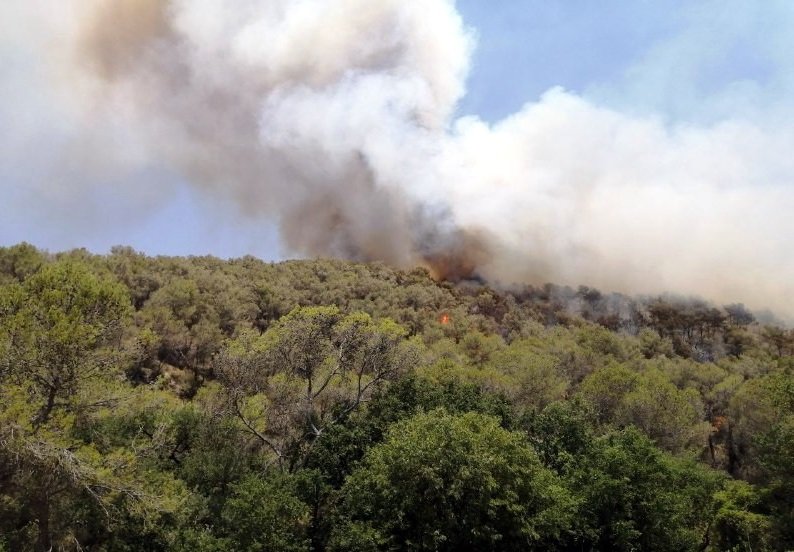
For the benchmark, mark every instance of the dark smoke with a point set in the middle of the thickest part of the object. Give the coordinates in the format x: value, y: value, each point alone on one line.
x: 207, y: 120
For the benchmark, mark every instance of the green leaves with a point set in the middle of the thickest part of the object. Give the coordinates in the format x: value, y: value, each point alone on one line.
x: 306, y: 373
x: 449, y: 482
x: 19, y: 261
x: 264, y: 515
x: 635, y: 497
x: 60, y: 328
x: 736, y: 526
x: 648, y: 400
x: 61, y: 342
x: 329, y: 405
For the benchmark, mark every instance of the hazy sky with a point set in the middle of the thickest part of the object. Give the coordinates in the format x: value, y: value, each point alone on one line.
x: 694, y: 98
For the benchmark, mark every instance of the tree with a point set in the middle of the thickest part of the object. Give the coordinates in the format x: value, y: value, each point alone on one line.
x: 739, y: 315
x: 781, y: 341
x: 648, y: 400
x: 264, y: 515
x: 306, y: 373
x: 342, y: 446
x: 19, y: 261
x: 762, y: 412
x: 776, y: 458
x: 186, y: 325
x: 451, y: 482
x: 606, y: 388
x: 534, y: 378
x: 136, y: 272
x: 62, y: 327
x: 61, y: 366
x: 635, y: 497
x: 735, y: 526
x: 672, y: 417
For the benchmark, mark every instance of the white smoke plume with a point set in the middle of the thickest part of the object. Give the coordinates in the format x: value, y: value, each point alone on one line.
x: 336, y: 118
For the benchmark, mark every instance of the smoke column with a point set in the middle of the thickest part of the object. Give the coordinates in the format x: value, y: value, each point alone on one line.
x: 336, y: 118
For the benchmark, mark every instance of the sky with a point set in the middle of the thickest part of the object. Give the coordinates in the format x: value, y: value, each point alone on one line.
x: 682, y: 60
x: 706, y: 78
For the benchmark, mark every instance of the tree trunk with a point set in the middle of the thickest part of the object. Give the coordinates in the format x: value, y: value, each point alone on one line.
x: 711, y: 451
x: 41, y: 507
x: 733, y: 458
x: 46, y: 409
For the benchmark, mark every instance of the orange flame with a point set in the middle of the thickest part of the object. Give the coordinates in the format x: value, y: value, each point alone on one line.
x: 444, y: 318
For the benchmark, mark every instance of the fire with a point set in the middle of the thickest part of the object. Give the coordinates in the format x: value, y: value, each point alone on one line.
x: 444, y: 318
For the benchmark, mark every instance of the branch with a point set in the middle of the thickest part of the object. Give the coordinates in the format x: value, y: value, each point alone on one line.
x: 254, y: 431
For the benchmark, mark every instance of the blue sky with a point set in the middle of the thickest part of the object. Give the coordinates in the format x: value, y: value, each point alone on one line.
x: 680, y: 61
x: 526, y: 47
x: 672, y: 58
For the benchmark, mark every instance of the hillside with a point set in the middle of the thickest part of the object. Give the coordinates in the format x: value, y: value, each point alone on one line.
x: 168, y: 403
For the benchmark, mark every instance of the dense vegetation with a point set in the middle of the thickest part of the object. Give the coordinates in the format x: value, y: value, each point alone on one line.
x: 199, y: 404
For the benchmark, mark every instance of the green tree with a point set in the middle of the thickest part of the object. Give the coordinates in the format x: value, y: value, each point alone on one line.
x: 605, y: 389
x: 762, y: 411
x: 187, y: 328
x: 265, y: 515
x: 735, y: 525
x: 61, y: 366
x: 671, y: 416
x: 19, y: 261
x: 451, y: 482
x: 307, y: 373
x: 635, y: 497
x: 61, y: 328
x: 533, y: 378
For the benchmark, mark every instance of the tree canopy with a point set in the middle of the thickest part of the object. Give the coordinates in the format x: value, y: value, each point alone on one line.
x: 198, y: 404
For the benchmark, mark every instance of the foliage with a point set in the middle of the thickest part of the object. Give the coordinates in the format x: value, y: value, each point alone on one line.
x: 265, y: 516
x: 636, y: 497
x: 201, y: 404
x: 449, y: 482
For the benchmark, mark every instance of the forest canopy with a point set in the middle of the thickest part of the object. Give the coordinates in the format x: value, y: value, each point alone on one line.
x: 171, y: 403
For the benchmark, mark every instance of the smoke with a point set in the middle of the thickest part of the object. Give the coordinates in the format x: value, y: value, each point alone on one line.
x: 310, y: 112
x: 337, y: 120
x: 627, y: 203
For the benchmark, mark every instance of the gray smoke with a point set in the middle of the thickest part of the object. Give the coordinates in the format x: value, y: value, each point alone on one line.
x: 335, y: 118
x: 301, y: 111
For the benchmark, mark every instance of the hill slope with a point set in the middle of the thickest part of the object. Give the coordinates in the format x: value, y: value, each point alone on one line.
x: 200, y: 404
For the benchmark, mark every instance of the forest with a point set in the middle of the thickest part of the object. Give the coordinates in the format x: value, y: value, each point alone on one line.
x: 200, y: 404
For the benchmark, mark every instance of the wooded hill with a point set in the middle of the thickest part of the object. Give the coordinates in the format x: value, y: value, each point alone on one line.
x: 200, y: 404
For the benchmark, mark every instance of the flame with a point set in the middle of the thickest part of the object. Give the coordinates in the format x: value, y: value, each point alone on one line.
x: 444, y: 319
